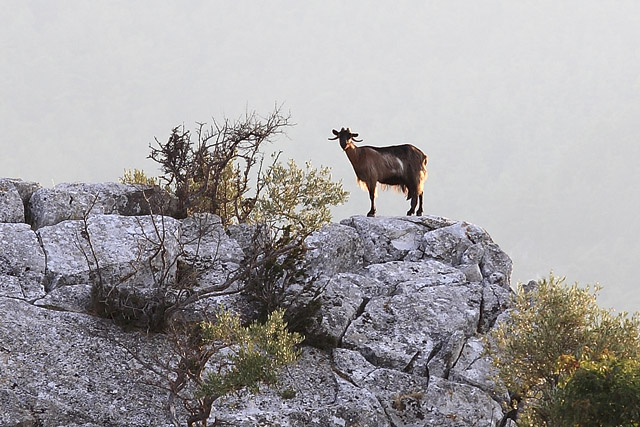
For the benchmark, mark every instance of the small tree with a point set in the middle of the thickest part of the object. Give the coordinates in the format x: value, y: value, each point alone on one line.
x: 548, y: 326
x: 220, y: 171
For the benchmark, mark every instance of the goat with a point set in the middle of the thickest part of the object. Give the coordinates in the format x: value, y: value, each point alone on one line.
x: 401, y: 166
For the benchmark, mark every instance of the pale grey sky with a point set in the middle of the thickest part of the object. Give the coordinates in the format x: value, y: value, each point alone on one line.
x: 529, y: 110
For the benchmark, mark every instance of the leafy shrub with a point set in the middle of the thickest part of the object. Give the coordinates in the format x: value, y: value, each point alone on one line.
x: 257, y: 351
x: 298, y: 198
x: 219, y: 169
x: 255, y: 354
x: 548, y: 326
x: 603, y: 393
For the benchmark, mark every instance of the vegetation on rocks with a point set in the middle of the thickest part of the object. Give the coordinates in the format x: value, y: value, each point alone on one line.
x: 220, y: 171
x: 222, y: 356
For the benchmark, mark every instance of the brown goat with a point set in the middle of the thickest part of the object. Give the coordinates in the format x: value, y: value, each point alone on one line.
x: 401, y: 166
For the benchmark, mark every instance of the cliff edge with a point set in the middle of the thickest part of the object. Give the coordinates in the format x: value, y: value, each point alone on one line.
x: 397, y: 340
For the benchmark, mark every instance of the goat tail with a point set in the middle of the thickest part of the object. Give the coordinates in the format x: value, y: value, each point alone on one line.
x: 420, y: 176
x: 423, y: 174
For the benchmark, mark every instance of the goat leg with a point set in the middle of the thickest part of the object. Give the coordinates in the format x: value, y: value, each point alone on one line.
x: 372, y: 196
x: 414, y: 202
x: 419, y: 213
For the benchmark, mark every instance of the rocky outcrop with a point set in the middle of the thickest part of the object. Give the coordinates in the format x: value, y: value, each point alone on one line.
x: 397, y: 340
x: 49, y: 206
x: 14, y: 198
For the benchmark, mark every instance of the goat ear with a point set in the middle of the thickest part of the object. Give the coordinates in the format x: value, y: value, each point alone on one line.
x: 335, y: 132
x: 353, y: 135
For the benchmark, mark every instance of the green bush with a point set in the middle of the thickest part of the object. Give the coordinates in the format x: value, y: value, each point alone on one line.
x: 257, y: 352
x: 603, y: 393
x: 297, y: 198
x: 212, y: 359
x: 549, y: 326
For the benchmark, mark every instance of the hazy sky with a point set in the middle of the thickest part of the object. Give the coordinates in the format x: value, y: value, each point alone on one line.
x: 529, y: 111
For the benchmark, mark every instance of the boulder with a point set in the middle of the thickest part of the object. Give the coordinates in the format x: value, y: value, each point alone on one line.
x: 49, y: 206
x: 111, y: 252
x: 22, y: 262
x: 416, y: 328
x: 334, y: 249
x: 11, y: 206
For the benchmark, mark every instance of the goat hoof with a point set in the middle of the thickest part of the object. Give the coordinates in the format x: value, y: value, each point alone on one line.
x: 371, y: 214
x: 419, y: 213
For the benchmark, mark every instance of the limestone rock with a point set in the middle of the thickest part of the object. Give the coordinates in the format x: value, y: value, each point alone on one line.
x: 320, y: 398
x: 74, y: 298
x: 386, y: 238
x: 246, y: 235
x: 209, y: 258
x: 64, y: 369
x: 495, y: 300
x: 11, y: 206
x: 204, y: 236
x: 25, y: 188
x: 420, y: 274
x: 458, y: 244
x: 496, y: 266
x: 22, y: 262
x: 409, y: 400
x: 404, y: 303
x: 340, y: 301
x: 334, y: 249
x: 411, y: 328
x: 206, y: 247
x: 474, y: 368
x: 49, y: 206
x: 140, y: 252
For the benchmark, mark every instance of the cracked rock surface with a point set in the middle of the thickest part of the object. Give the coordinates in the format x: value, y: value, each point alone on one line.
x: 398, y: 336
